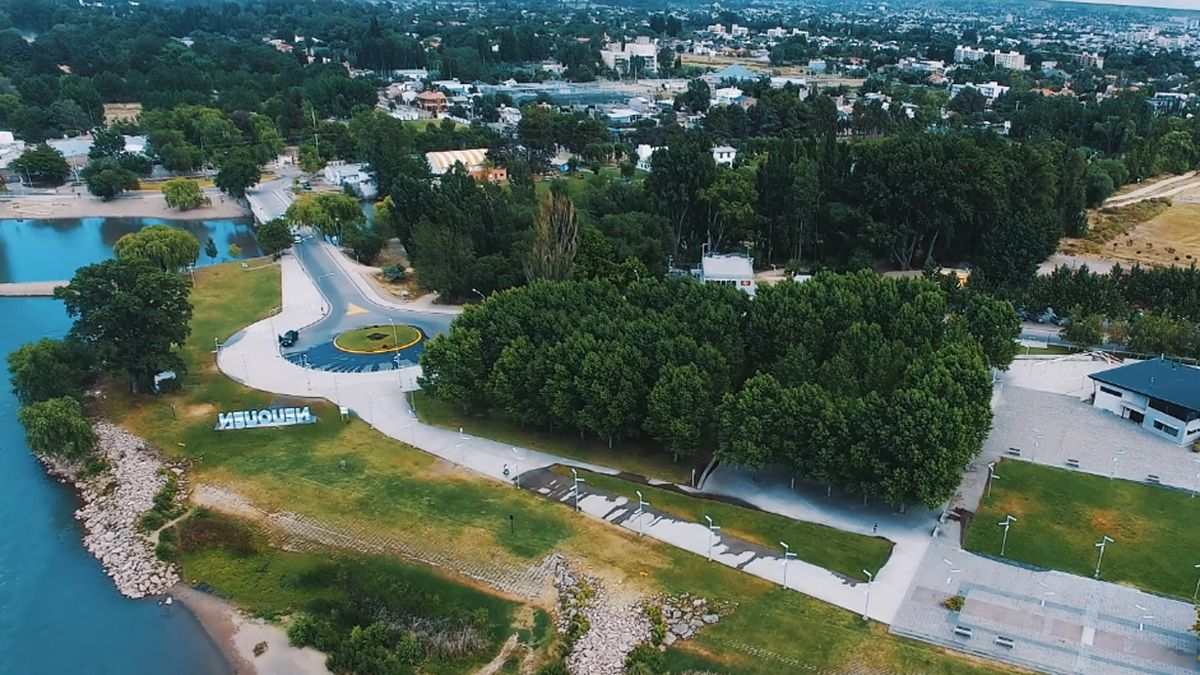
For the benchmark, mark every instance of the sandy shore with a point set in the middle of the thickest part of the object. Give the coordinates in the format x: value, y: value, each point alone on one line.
x: 237, y: 635
x: 76, y: 203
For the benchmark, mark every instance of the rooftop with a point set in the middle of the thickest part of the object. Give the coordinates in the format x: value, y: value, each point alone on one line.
x: 727, y: 266
x: 441, y: 162
x: 1160, y: 378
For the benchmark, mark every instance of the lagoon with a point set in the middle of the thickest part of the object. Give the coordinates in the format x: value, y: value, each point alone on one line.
x: 52, y: 249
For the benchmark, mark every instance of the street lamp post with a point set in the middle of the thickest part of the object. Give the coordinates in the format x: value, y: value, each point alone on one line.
x: 991, y: 477
x: 1197, y: 591
x: 517, y: 464
x: 951, y: 572
x: 307, y: 375
x: 1104, y: 542
x: 481, y: 295
x: 641, y: 511
x: 787, y: 555
x: 1037, y: 441
x: 712, y: 530
x: 1117, y: 452
x: 1145, y: 615
x: 867, y: 606
x: 1008, y: 521
x: 393, y: 325
x: 578, y: 480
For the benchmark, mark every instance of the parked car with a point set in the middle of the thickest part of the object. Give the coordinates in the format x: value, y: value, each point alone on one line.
x: 289, y: 338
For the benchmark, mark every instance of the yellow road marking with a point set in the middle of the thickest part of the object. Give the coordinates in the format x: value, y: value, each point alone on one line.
x: 354, y: 309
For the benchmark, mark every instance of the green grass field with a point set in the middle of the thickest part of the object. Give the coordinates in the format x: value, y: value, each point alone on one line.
x: 409, y: 495
x: 640, y: 458
x: 377, y: 339
x: 842, y: 552
x: 1062, y: 515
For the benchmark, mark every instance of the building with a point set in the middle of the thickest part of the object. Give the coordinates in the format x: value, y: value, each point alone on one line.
x: 730, y: 269
x: 1010, y: 60
x: 990, y: 90
x: 1159, y: 395
x: 353, y: 175
x: 620, y: 57
x: 432, y: 102
x: 473, y: 160
x: 724, y: 155
x: 644, y: 153
x: 1167, y: 102
x: 1089, y: 60
x: 964, y: 54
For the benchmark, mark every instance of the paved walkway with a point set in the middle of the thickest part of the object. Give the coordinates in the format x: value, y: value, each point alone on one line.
x: 29, y: 289
x: 379, y: 398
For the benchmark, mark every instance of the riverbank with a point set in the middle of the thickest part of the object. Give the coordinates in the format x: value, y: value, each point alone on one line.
x: 112, y: 502
x: 239, y: 637
x: 76, y: 203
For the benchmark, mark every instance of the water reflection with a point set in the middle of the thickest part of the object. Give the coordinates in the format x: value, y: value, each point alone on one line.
x: 52, y: 249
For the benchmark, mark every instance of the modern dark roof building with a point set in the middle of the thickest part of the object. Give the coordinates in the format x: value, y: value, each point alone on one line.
x: 1162, y: 396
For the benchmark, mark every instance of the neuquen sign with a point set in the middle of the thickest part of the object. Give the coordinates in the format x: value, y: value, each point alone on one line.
x: 267, y: 417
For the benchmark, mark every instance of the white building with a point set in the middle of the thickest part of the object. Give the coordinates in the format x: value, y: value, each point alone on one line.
x: 726, y: 95
x: 965, y: 54
x: 730, y: 269
x: 990, y: 90
x: 354, y: 175
x: 644, y: 153
x: 1010, y: 60
x: 619, y: 57
x: 724, y: 155
x: 738, y: 31
x: 1158, y: 395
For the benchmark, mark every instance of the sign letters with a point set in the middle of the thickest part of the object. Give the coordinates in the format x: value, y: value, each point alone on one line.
x: 267, y: 417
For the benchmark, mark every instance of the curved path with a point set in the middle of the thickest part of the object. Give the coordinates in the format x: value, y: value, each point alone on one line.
x: 380, y: 399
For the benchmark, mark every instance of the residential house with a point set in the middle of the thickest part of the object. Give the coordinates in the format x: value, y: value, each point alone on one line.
x: 724, y: 155
x: 432, y: 102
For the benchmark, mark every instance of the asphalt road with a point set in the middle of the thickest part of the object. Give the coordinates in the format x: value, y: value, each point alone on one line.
x: 349, y: 308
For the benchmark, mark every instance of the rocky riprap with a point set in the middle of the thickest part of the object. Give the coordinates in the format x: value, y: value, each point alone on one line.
x: 113, y: 500
x: 683, y: 615
x: 603, y: 627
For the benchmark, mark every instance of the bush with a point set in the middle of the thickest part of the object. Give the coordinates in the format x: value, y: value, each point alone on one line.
x: 57, y: 428
x: 394, y: 273
x: 554, y: 668
x: 645, y: 659
x: 204, y: 530
x: 658, y: 627
x: 167, y: 548
x: 954, y: 603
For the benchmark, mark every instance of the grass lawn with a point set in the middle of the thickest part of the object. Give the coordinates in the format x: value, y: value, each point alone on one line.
x: 1049, y: 350
x: 377, y: 339
x: 846, y: 553
x: 640, y: 458
x: 267, y: 581
x: 403, y: 493
x: 1062, y: 514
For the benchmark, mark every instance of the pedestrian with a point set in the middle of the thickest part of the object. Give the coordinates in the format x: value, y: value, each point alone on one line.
x: 875, y: 530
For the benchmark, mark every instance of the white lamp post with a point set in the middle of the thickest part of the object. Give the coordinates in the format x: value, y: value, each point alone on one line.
x: 867, y: 606
x: 950, y: 574
x: 1008, y: 521
x: 1145, y: 615
x: 712, y: 530
x: 517, y: 464
x: 991, y: 477
x: 1104, y: 541
x: 1117, y: 452
x: 787, y: 555
x: 1037, y: 441
x: 578, y: 480
x: 641, y: 511
x: 1197, y: 591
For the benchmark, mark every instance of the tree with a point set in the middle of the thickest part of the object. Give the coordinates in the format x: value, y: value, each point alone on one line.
x: 697, y: 96
x: 162, y: 246
x: 274, y: 236
x: 679, y: 409
x: 1084, y: 330
x: 210, y: 249
x: 364, y: 242
x: 41, y: 164
x: 329, y: 213
x: 310, y: 159
x: 106, y: 178
x: 183, y: 194
x: 57, y: 428
x: 47, y: 369
x: 106, y: 142
x: 555, y: 237
x: 238, y: 172
x: 994, y: 323
x: 131, y: 314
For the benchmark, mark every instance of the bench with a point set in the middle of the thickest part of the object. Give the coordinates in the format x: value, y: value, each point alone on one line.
x: 963, y: 631
x: 1073, y: 463
x: 1154, y: 479
x: 1014, y: 452
x: 1004, y: 641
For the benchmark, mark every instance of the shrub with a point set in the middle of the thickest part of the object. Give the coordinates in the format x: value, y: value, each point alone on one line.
x: 167, y: 548
x: 554, y: 668
x: 658, y: 627
x: 644, y: 659
x: 394, y: 273
x: 954, y: 603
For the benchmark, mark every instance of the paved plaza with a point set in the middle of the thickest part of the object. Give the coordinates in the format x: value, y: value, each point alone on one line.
x: 1056, y: 622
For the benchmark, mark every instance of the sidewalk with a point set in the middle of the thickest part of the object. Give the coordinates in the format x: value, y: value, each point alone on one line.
x: 252, y: 358
x: 355, y: 271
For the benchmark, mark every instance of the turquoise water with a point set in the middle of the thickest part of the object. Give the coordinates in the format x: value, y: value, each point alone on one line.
x: 59, y: 612
x: 52, y: 249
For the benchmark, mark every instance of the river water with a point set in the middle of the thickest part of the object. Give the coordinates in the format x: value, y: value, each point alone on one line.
x: 59, y: 613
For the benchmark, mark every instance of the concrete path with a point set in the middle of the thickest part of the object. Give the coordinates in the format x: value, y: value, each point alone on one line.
x: 1163, y: 189
x: 379, y: 398
x: 30, y: 289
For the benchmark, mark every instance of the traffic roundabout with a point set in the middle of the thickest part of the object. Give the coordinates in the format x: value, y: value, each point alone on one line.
x: 381, y: 339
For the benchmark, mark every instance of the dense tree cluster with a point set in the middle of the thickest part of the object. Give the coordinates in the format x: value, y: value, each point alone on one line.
x: 859, y: 381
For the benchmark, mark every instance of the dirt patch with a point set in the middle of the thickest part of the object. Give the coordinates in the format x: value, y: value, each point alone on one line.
x: 1152, y: 232
x: 198, y: 410
x: 1113, y: 523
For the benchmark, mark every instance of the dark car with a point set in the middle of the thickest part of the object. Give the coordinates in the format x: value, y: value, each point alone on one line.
x: 289, y: 338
